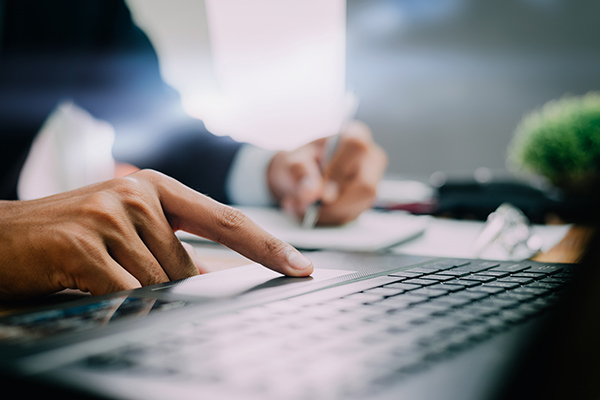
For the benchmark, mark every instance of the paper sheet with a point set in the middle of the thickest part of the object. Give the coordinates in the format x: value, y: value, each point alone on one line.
x: 372, y: 231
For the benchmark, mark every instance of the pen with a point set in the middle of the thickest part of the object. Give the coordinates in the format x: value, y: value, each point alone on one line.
x: 351, y: 105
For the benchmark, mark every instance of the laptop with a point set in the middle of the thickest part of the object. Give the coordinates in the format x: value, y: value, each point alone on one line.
x: 364, y: 326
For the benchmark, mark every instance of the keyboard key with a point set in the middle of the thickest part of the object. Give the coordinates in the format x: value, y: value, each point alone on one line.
x: 530, y: 290
x: 405, y: 274
x: 447, y: 264
x: 462, y: 316
x: 546, y: 269
x: 497, y: 302
x: 488, y: 289
x: 471, y: 294
x: 455, y: 272
x: 404, y: 286
x: 462, y: 282
x: 470, y: 269
x: 553, y: 279
x: 424, y: 270
x: 449, y: 288
x: 478, y: 332
x: 495, y: 324
x: 363, y: 298
x: 505, y: 285
x: 528, y: 309
x: 452, y: 301
x: 481, y: 266
x: 481, y: 309
x: 497, y: 274
x: 438, y: 278
x: 419, y: 281
x: 479, y: 278
x: 511, y: 295
x: 385, y: 291
x: 436, y: 267
x: 527, y: 274
x: 511, y: 268
x: 522, y: 281
x: 458, y: 263
x: 404, y: 301
x: 427, y: 292
x: 511, y: 316
x: 563, y: 274
x: 544, y: 285
x: 433, y: 307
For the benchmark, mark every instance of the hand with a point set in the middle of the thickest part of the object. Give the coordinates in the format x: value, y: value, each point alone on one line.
x: 119, y: 234
x: 346, y: 188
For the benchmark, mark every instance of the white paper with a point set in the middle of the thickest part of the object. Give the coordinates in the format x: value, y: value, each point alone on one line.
x: 372, y: 231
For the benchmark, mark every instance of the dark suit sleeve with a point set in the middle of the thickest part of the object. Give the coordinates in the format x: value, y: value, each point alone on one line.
x: 92, y: 54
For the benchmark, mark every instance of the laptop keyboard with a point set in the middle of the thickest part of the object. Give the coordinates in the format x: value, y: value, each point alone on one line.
x: 348, y: 345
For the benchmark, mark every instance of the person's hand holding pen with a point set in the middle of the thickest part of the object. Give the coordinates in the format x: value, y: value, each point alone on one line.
x: 344, y: 188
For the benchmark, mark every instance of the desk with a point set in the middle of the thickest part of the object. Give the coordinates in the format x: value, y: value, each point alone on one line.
x: 570, y: 249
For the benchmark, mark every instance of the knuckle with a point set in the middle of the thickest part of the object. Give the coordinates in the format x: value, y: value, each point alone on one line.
x: 298, y: 169
x: 104, y: 209
x: 142, y: 181
x: 367, y: 190
x: 356, y: 146
x: 134, y: 196
x: 148, y: 174
x: 342, y: 172
x: 101, y: 204
x: 230, y: 218
x: 129, y: 185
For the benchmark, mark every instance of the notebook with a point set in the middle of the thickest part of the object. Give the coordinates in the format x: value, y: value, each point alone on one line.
x: 372, y: 230
x: 365, y: 325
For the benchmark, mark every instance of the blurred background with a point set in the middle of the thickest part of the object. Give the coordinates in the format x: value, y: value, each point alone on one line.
x: 442, y: 83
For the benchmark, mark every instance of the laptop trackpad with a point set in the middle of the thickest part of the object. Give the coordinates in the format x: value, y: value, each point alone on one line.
x: 246, y: 279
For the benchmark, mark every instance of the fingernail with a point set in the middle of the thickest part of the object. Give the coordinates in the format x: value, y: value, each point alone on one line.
x: 298, y: 262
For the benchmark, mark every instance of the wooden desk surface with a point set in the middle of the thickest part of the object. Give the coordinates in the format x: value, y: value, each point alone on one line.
x: 570, y: 249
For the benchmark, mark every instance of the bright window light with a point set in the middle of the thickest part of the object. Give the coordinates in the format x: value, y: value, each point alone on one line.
x: 269, y: 72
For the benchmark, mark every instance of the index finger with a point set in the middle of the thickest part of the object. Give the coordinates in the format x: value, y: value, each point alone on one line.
x: 193, y: 212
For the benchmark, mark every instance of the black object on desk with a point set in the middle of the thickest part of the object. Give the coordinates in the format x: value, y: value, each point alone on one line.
x: 472, y: 199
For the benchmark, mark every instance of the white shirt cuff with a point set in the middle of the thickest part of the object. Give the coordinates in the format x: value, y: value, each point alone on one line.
x: 247, y: 179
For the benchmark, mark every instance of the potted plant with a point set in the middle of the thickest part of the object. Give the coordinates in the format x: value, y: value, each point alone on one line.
x: 561, y: 142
